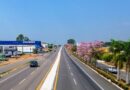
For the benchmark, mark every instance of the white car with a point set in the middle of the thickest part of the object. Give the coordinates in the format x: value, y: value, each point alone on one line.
x: 112, y: 70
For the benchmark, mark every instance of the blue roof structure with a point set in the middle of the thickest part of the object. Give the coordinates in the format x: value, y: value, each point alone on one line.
x: 36, y: 43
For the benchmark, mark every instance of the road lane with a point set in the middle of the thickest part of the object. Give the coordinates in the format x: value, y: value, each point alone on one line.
x: 29, y: 78
x: 7, y: 84
x: 106, y: 85
x: 33, y: 80
x: 16, y: 64
x: 72, y: 78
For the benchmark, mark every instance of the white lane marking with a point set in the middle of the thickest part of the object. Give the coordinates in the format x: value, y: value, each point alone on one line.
x: 69, y: 67
x: 72, y: 74
x: 90, y: 77
x: 32, y: 73
x: 49, y: 81
x: 11, y: 89
x: 13, y: 75
x: 75, y: 81
x: 22, y: 81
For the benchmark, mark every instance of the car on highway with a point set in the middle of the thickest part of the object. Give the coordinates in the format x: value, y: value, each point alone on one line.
x: 34, y: 63
x: 112, y: 70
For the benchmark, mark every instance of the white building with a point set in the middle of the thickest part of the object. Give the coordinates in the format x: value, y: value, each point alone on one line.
x: 21, y: 46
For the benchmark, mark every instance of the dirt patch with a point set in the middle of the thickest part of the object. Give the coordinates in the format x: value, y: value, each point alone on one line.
x: 20, y: 58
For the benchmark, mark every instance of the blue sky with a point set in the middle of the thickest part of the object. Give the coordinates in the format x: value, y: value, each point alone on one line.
x: 56, y: 21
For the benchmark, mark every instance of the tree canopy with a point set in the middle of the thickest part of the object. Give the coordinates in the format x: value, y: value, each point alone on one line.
x: 71, y: 41
x: 21, y: 37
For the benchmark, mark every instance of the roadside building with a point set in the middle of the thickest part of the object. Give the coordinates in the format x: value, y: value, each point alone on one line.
x: 20, y: 46
x: 44, y: 45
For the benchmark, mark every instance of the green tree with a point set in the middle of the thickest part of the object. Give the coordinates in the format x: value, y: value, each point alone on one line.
x: 74, y: 48
x: 117, y: 48
x: 119, y: 60
x: 71, y: 41
x: 20, y: 37
x: 127, y: 55
x: 35, y: 51
x: 50, y: 46
x: 107, y: 57
x: 26, y: 38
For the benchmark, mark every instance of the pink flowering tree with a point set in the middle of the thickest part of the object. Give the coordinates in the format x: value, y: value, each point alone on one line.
x: 89, y: 50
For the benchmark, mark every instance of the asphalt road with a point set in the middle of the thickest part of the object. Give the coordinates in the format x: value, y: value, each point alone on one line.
x: 73, y: 75
x: 16, y: 64
x: 72, y: 78
x: 28, y: 78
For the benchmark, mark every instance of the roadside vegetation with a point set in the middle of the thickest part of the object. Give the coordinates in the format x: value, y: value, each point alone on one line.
x: 116, y: 52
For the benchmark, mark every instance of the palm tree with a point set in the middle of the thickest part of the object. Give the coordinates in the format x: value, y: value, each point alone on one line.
x: 119, y: 60
x: 117, y: 48
x: 127, y: 55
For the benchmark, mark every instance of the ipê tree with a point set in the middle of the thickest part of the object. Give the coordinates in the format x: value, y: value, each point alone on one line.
x: 89, y: 50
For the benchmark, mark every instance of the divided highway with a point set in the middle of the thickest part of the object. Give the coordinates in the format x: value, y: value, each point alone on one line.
x: 71, y: 75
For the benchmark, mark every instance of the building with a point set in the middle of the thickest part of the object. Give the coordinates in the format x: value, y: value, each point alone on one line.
x: 44, y: 45
x: 21, y: 46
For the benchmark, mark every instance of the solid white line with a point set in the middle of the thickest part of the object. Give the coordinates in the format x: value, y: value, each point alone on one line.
x: 69, y: 67
x: 22, y: 81
x: 49, y: 81
x: 103, y: 77
x: 32, y: 73
x: 75, y: 81
x: 91, y: 78
x: 13, y: 75
x: 88, y: 75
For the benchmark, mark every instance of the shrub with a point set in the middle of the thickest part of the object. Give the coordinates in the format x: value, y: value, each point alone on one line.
x: 107, y: 57
x: 35, y: 51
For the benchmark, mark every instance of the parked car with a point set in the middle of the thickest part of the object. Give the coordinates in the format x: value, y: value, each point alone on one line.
x: 112, y: 70
x: 3, y: 58
x: 34, y: 63
x: 8, y: 54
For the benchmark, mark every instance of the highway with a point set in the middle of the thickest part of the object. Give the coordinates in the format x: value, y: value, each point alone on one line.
x: 28, y: 78
x: 74, y: 75
x: 71, y: 75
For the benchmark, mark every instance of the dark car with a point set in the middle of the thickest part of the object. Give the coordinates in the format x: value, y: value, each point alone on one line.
x: 34, y: 64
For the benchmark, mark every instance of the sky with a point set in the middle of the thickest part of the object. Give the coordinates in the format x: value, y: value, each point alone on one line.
x: 55, y: 21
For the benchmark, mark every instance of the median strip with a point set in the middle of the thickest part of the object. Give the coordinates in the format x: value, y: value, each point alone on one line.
x: 49, y: 81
